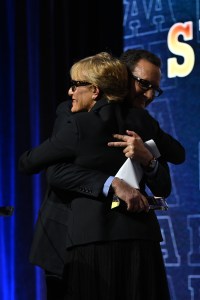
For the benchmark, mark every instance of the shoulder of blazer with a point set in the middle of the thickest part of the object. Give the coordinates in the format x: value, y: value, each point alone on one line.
x: 99, y: 104
x: 64, y: 107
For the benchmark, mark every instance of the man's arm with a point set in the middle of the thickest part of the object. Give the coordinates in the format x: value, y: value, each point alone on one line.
x: 159, y: 182
x: 171, y: 149
x: 61, y: 147
x: 148, y: 128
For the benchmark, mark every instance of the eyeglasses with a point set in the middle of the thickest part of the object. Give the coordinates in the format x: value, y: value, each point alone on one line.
x: 146, y: 85
x: 76, y: 83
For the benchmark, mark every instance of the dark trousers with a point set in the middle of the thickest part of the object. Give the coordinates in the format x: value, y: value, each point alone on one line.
x: 54, y: 286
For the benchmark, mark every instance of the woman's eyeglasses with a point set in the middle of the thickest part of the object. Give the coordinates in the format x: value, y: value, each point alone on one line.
x: 76, y: 83
x: 146, y: 85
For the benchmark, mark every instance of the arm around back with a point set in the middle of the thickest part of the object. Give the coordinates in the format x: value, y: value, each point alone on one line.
x: 170, y: 148
x: 74, y: 178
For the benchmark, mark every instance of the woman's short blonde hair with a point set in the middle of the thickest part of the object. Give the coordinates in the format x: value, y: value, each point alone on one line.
x: 106, y: 72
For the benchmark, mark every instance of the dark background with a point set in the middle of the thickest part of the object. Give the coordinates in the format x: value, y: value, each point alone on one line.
x: 39, y: 41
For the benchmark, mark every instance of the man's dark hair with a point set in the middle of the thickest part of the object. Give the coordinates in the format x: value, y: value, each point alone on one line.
x: 132, y: 56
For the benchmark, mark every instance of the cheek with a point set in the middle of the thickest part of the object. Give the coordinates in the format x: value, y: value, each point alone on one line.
x: 137, y: 88
x: 139, y: 91
x: 134, y: 91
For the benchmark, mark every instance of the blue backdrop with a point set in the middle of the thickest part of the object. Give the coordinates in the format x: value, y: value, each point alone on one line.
x: 171, y: 29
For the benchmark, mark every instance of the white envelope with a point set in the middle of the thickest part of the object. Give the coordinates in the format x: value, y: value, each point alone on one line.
x: 131, y: 171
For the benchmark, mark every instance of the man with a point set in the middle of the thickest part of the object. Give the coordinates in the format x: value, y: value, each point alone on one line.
x: 145, y: 68
x: 146, y: 71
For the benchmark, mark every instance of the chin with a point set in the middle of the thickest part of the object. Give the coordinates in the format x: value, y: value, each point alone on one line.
x: 74, y: 109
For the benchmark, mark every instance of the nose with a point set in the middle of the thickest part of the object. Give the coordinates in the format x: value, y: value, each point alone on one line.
x: 70, y: 92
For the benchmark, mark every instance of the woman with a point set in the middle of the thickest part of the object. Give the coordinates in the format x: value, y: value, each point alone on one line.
x: 109, y: 252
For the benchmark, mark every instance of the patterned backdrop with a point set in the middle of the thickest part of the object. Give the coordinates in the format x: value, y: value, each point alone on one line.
x: 171, y: 29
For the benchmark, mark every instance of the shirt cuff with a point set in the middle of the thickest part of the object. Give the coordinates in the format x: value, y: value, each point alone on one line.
x: 107, y: 185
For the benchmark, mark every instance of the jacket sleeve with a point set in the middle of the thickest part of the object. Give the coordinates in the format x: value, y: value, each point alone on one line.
x: 171, y: 149
x: 74, y: 178
x: 160, y: 183
x: 61, y: 147
x: 63, y: 113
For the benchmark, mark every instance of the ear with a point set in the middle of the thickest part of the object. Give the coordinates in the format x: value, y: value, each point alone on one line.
x: 96, y: 92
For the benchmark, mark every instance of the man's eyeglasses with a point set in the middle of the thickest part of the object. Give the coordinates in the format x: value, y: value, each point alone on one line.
x: 146, y: 85
x: 76, y: 83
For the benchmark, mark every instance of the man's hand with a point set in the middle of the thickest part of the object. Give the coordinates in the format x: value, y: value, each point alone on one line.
x: 134, y: 200
x: 134, y: 147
